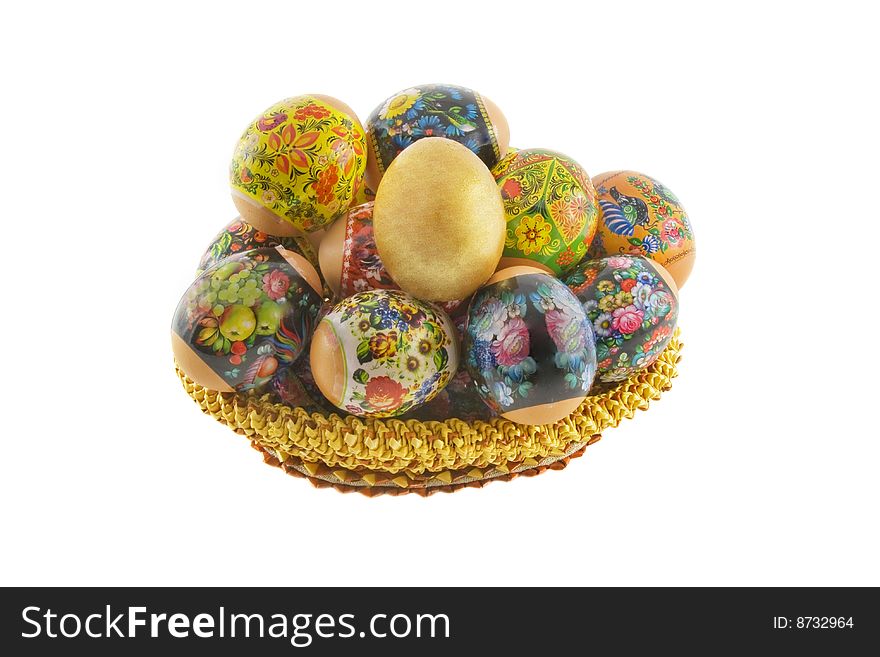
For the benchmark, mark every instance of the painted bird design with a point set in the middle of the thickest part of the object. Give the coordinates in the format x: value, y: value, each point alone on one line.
x: 634, y: 209
x: 462, y: 119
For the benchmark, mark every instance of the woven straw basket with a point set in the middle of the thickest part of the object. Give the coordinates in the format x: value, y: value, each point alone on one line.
x: 392, y: 456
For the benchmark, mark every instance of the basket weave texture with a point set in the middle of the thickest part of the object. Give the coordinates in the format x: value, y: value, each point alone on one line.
x: 394, y: 456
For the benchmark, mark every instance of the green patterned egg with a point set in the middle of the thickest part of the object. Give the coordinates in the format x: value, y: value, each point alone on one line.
x: 550, y: 207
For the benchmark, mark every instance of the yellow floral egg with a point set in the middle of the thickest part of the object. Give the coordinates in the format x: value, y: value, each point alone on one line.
x: 550, y: 208
x: 299, y: 165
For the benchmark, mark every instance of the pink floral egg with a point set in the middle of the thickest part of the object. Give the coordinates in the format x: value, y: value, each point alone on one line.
x: 632, y: 304
x: 529, y: 347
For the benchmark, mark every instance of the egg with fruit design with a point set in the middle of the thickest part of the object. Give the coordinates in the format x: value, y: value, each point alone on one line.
x: 245, y: 318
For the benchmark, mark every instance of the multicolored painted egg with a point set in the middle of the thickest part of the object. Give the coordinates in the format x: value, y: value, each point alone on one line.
x: 299, y: 163
x: 640, y: 216
x: 632, y: 303
x: 529, y: 346
x: 550, y: 207
x: 245, y: 318
x: 438, y: 221
x: 350, y: 261
x: 381, y: 353
x: 435, y: 110
x: 240, y: 236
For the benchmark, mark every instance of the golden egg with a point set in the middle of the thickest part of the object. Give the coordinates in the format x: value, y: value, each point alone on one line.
x: 439, y: 220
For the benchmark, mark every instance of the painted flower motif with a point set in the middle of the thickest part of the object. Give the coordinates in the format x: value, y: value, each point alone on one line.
x: 515, y: 303
x: 490, y: 318
x: 511, y: 189
x: 602, y: 325
x: 623, y: 298
x: 327, y: 180
x: 399, y: 104
x: 659, y: 335
x: 428, y: 126
x: 627, y: 320
x: 565, y: 258
x: 660, y: 302
x: 383, y: 345
x: 671, y: 233
x: 627, y: 284
x: 605, y: 286
x: 290, y: 146
x: 384, y: 394
x: 502, y: 393
x: 512, y: 344
x: 312, y: 110
x: 566, y: 331
x: 641, y: 294
x: 344, y: 155
x: 619, y: 262
x: 568, y: 218
x: 607, y: 303
x: 533, y: 234
x: 650, y: 244
x: 275, y: 284
x: 481, y: 354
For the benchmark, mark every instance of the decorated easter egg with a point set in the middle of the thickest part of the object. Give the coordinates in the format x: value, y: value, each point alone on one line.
x: 381, y: 353
x: 240, y: 236
x: 529, y: 347
x: 245, y: 318
x: 438, y: 221
x: 349, y: 258
x: 640, y: 216
x: 298, y: 164
x: 435, y: 110
x: 632, y: 304
x: 550, y: 208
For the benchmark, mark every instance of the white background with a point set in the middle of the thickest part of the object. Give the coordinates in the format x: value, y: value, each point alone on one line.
x: 759, y: 467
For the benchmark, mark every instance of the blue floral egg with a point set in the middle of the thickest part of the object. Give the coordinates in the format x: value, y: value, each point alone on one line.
x: 435, y: 110
x: 529, y: 346
x: 632, y: 304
